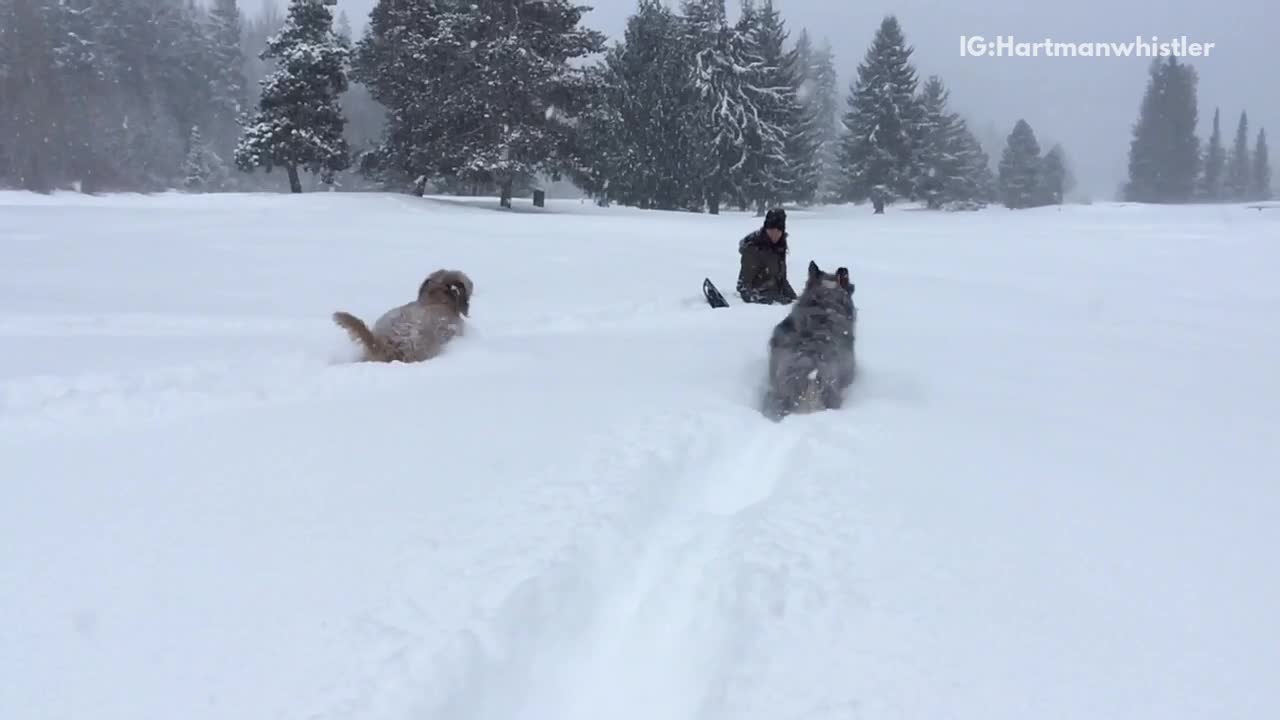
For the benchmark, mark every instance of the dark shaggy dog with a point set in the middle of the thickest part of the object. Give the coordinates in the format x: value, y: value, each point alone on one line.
x: 418, y: 330
x: 811, y: 352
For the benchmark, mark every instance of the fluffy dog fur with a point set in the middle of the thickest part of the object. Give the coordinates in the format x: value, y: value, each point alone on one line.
x: 418, y: 330
x: 811, y: 351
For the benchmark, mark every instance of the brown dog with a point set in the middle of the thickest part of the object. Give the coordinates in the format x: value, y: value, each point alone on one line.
x: 418, y: 330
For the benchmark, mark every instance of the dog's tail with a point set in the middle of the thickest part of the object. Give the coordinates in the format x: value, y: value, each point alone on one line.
x: 373, y: 348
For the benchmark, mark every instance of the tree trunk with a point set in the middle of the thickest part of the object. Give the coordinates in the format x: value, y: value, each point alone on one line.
x: 295, y: 184
x: 505, y: 200
x: 878, y: 204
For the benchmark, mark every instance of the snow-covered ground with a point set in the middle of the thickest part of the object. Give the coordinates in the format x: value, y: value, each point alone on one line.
x: 1054, y: 493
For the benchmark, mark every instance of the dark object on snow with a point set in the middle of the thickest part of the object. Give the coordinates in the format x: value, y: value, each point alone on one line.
x: 539, y: 198
x: 712, y: 294
x: 811, y: 352
x: 762, y: 275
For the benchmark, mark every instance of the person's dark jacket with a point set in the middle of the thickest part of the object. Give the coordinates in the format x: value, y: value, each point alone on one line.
x: 762, y: 277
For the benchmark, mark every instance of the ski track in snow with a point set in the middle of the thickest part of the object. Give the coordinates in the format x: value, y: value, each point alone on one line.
x: 655, y: 609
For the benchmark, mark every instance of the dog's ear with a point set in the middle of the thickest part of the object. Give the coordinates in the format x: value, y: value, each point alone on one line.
x: 461, y: 296
x: 842, y: 278
x: 814, y: 270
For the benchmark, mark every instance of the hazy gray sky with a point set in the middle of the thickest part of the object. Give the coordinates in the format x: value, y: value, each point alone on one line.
x: 1087, y: 104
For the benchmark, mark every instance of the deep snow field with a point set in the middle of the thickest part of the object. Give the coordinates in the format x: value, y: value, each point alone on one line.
x: 1054, y: 492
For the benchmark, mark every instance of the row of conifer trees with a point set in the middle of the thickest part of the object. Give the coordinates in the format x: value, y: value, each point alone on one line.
x: 686, y: 111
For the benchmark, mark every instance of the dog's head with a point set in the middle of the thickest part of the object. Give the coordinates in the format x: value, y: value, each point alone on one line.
x: 451, y: 288
x: 830, y: 281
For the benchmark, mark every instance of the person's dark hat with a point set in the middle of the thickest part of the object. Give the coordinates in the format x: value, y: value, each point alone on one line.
x: 776, y: 218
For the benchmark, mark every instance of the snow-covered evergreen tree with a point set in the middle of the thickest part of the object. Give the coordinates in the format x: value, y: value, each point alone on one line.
x: 1215, y: 160
x: 596, y: 156
x: 763, y: 171
x: 518, y: 70
x: 342, y: 26
x: 636, y: 146
x: 802, y: 58
x: 406, y: 60
x: 1260, y: 177
x: 731, y: 116
x: 184, y: 63
x: 820, y: 94
x: 940, y: 165
x: 45, y: 69
x: 793, y: 176
x: 954, y: 169
x: 103, y: 94
x: 299, y: 123
x: 1236, y: 184
x: 149, y: 88
x: 764, y: 175
x: 479, y: 93
x: 978, y: 187
x: 1052, y: 179
x: 884, y: 123
x: 203, y: 169
x: 1164, y: 154
x: 228, y: 97
x: 1019, y: 175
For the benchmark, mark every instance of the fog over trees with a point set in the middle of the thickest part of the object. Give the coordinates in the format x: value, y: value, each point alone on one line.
x: 676, y: 104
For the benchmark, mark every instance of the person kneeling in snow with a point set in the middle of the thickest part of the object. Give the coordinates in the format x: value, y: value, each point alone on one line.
x: 763, y: 275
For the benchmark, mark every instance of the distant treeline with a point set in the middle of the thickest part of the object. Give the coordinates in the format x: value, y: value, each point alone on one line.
x: 686, y: 111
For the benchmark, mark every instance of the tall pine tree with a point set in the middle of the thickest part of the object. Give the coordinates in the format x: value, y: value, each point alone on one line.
x: 1164, y: 155
x: 792, y: 175
x: 299, y: 123
x: 1019, y: 177
x: 516, y: 69
x: 1052, y: 179
x: 980, y: 182
x: 763, y: 173
x: 227, y: 86
x: 406, y: 61
x: 203, y: 169
x: 1237, y: 181
x: 1215, y: 160
x: 821, y: 94
x: 729, y: 122
x: 149, y: 69
x: 884, y: 123
x: 952, y: 165
x: 638, y: 145
x: 1260, y: 187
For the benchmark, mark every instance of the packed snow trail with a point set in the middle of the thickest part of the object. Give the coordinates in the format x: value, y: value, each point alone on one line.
x: 1052, y: 493
x: 644, y: 623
